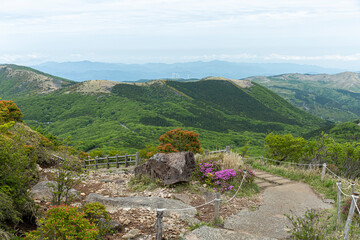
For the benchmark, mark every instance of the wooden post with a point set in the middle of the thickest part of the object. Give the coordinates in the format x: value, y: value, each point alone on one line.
x: 217, y: 206
x: 323, y: 172
x: 137, y: 159
x: 96, y: 162
x: 85, y: 163
x: 227, y: 150
x: 352, y: 188
x: 206, y: 152
x: 117, y: 160
x: 126, y: 160
x: 261, y: 159
x: 338, y: 203
x: 351, y: 214
x: 159, y: 217
x: 107, y: 162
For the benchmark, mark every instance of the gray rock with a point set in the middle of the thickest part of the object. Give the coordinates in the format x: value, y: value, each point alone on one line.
x: 120, y: 181
x: 182, y: 197
x: 106, y: 180
x: 112, y: 224
x: 43, y: 191
x: 4, y: 235
x: 329, y: 201
x: 112, y: 204
x: 131, y: 234
x: 169, y: 168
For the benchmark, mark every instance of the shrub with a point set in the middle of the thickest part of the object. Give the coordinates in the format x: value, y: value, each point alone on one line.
x: 66, y: 177
x: 178, y: 140
x: 97, y: 214
x: 64, y: 222
x: 307, y: 227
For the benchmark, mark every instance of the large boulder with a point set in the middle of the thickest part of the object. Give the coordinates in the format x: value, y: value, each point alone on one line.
x: 170, y: 168
x: 43, y: 191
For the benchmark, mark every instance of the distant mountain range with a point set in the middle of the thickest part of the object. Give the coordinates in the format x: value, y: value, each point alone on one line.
x: 127, y: 116
x: 86, y: 70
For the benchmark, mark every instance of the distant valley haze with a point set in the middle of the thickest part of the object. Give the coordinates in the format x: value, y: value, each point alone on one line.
x: 86, y: 70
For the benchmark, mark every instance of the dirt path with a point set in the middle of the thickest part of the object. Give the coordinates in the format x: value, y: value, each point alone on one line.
x: 281, y: 196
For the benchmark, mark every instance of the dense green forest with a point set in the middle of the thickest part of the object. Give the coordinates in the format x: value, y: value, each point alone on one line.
x: 131, y: 116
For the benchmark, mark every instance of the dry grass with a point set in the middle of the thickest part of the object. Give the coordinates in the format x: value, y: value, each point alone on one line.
x: 227, y: 161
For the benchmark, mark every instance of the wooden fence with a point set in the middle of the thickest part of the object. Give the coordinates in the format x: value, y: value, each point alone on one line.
x: 227, y: 150
x: 115, y: 160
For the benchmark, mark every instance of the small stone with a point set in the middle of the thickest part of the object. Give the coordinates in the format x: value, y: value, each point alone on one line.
x: 82, y: 194
x: 329, y: 201
x: 119, y: 181
x: 126, y: 222
x: 131, y: 234
x: 106, y: 180
x: 204, y: 185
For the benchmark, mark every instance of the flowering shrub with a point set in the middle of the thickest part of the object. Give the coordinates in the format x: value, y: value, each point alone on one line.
x: 64, y: 222
x: 178, y: 140
x: 222, y: 180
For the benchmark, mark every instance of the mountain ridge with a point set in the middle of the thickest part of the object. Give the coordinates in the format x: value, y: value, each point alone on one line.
x: 221, y: 110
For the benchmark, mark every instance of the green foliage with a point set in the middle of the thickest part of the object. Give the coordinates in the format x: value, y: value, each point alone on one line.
x: 64, y: 222
x: 178, y: 140
x: 133, y: 116
x: 66, y: 177
x: 148, y: 151
x: 307, y: 227
x: 330, y: 99
x: 97, y: 214
x: 284, y: 147
x: 18, y: 173
x: 144, y: 182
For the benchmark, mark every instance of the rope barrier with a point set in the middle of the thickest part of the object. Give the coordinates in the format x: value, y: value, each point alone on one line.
x: 201, y: 205
x: 337, y: 176
x: 300, y: 164
x: 356, y: 205
x: 337, y: 185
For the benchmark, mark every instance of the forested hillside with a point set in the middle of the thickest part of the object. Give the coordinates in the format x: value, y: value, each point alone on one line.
x: 110, y: 115
x: 332, y: 97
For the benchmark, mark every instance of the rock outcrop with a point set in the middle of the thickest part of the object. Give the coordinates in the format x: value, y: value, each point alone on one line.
x: 169, y: 168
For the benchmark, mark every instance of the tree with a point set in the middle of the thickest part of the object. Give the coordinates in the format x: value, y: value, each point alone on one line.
x: 177, y: 140
x: 284, y: 147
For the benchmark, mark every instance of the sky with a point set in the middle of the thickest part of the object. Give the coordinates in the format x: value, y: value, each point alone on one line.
x: 319, y: 32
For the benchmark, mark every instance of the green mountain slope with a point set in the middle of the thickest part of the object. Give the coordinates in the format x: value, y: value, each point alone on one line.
x: 18, y: 81
x: 104, y: 114
x: 332, y: 97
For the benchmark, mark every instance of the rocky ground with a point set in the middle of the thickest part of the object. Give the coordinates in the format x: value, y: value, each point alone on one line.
x: 138, y: 220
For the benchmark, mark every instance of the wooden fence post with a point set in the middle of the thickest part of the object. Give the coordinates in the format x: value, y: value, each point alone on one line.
x: 159, y: 217
x: 206, y: 152
x: 227, y: 150
x: 351, y: 214
x: 338, y: 203
x: 216, y: 211
x: 117, y: 160
x: 96, y: 162
x: 137, y: 159
x: 261, y: 159
x: 323, y: 172
x: 126, y: 160
x: 85, y: 163
x: 107, y: 162
x: 352, y: 188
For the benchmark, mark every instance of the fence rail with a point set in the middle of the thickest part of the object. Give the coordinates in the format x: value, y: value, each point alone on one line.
x: 114, y: 160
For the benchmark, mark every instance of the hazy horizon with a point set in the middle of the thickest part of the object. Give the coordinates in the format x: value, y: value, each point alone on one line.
x: 321, y: 33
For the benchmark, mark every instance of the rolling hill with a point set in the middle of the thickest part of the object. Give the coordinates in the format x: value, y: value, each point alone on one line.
x: 332, y: 97
x: 127, y: 116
